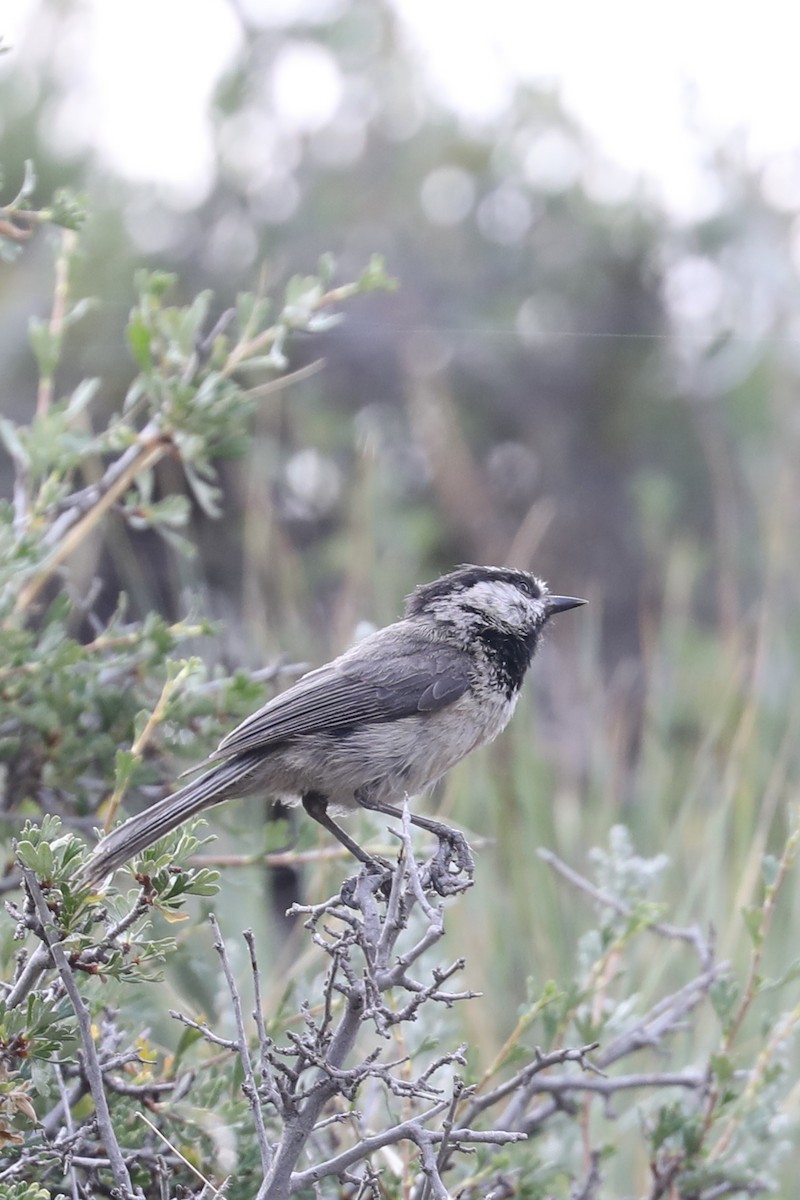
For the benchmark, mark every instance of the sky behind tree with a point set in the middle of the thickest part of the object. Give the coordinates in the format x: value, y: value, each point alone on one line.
x: 653, y: 85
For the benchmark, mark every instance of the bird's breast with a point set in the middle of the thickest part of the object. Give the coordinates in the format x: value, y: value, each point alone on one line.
x: 394, y: 758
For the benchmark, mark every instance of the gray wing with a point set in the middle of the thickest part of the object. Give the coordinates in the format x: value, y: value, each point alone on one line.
x: 382, y: 679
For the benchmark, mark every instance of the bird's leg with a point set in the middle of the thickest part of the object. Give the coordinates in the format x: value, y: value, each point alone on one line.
x: 278, y: 811
x: 317, y: 807
x: 453, y: 846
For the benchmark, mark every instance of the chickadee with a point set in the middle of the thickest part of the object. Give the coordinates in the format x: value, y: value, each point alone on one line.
x: 382, y: 721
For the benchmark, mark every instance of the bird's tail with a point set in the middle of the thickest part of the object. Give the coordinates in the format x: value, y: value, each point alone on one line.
x: 141, y: 830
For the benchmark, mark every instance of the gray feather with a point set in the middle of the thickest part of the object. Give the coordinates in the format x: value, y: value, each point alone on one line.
x: 388, y: 717
x: 366, y: 685
x: 144, y: 828
x: 414, y: 676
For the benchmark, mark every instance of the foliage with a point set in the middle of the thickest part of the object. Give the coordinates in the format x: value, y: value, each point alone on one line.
x: 366, y: 1054
x: 81, y: 700
x: 358, y: 1069
x: 19, y: 218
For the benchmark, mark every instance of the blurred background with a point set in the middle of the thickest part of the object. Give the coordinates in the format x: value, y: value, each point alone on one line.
x: 589, y: 368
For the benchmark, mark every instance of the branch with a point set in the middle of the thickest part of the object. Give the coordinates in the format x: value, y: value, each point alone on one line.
x: 73, y: 526
x: 57, y: 314
x: 264, y: 1042
x: 202, y: 1028
x: 31, y: 973
x: 541, y: 1062
x: 589, y: 1188
x: 367, y: 921
x: 156, y: 717
x: 663, y: 1017
x: 277, y: 1184
x: 303, y: 1180
x: 249, y: 1085
x: 692, y: 935
x: 91, y: 1064
x: 559, y: 1084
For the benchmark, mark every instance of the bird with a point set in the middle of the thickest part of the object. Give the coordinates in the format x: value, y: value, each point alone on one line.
x: 380, y: 723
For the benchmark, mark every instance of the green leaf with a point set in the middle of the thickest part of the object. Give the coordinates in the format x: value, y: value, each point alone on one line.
x: 789, y: 976
x: 321, y: 322
x: 375, y: 277
x: 770, y: 868
x: 207, y: 495
x: 139, y: 342
x: 172, y: 510
x: 252, y: 314
x: 189, y: 1037
x: 669, y: 1122
x: 193, y: 319
x: 302, y: 292
x: 124, y: 765
x: 724, y: 994
x: 46, y: 346
x: 13, y: 443
x: 326, y: 268
x: 753, y: 923
x: 154, y: 284
x: 722, y: 1067
x: 80, y: 309
x: 36, y: 856
x: 28, y: 185
x: 68, y: 209
x: 82, y: 397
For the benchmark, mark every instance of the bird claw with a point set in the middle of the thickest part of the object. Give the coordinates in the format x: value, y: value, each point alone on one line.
x: 448, y: 872
x: 376, y: 873
x: 452, y: 866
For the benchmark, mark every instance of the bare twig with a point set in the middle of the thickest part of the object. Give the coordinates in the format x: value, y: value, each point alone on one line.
x: 73, y: 526
x: 298, y: 1127
x: 517, y: 1084
x: 249, y: 1086
x: 123, y: 1088
x: 139, y: 746
x: 664, y: 1017
x: 559, y: 1084
x: 365, y: 1148
x: 35, y: 965
x: 66, y: 1108
x: 447, y: 1131
x: 692, y: 935
x: 59, y: 1119
x: 201, y: 1027
x: 265, y: 1043
x: 205, y: 345
x: 58, y: 313
x: 91, y: 1064
x: 206, y: 1182
x: 588, y: 1189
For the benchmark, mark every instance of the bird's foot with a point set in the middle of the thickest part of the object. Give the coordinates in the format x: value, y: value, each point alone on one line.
x: 452, y: 867
x: 376, y: 874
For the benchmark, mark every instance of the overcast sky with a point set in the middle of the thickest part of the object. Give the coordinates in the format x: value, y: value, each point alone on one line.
x: 649, y: 81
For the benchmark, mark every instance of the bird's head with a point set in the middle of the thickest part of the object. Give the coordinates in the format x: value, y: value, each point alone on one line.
x: 472, y: 598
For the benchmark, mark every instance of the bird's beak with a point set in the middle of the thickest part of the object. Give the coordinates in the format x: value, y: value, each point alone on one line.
x: 557, y: 604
